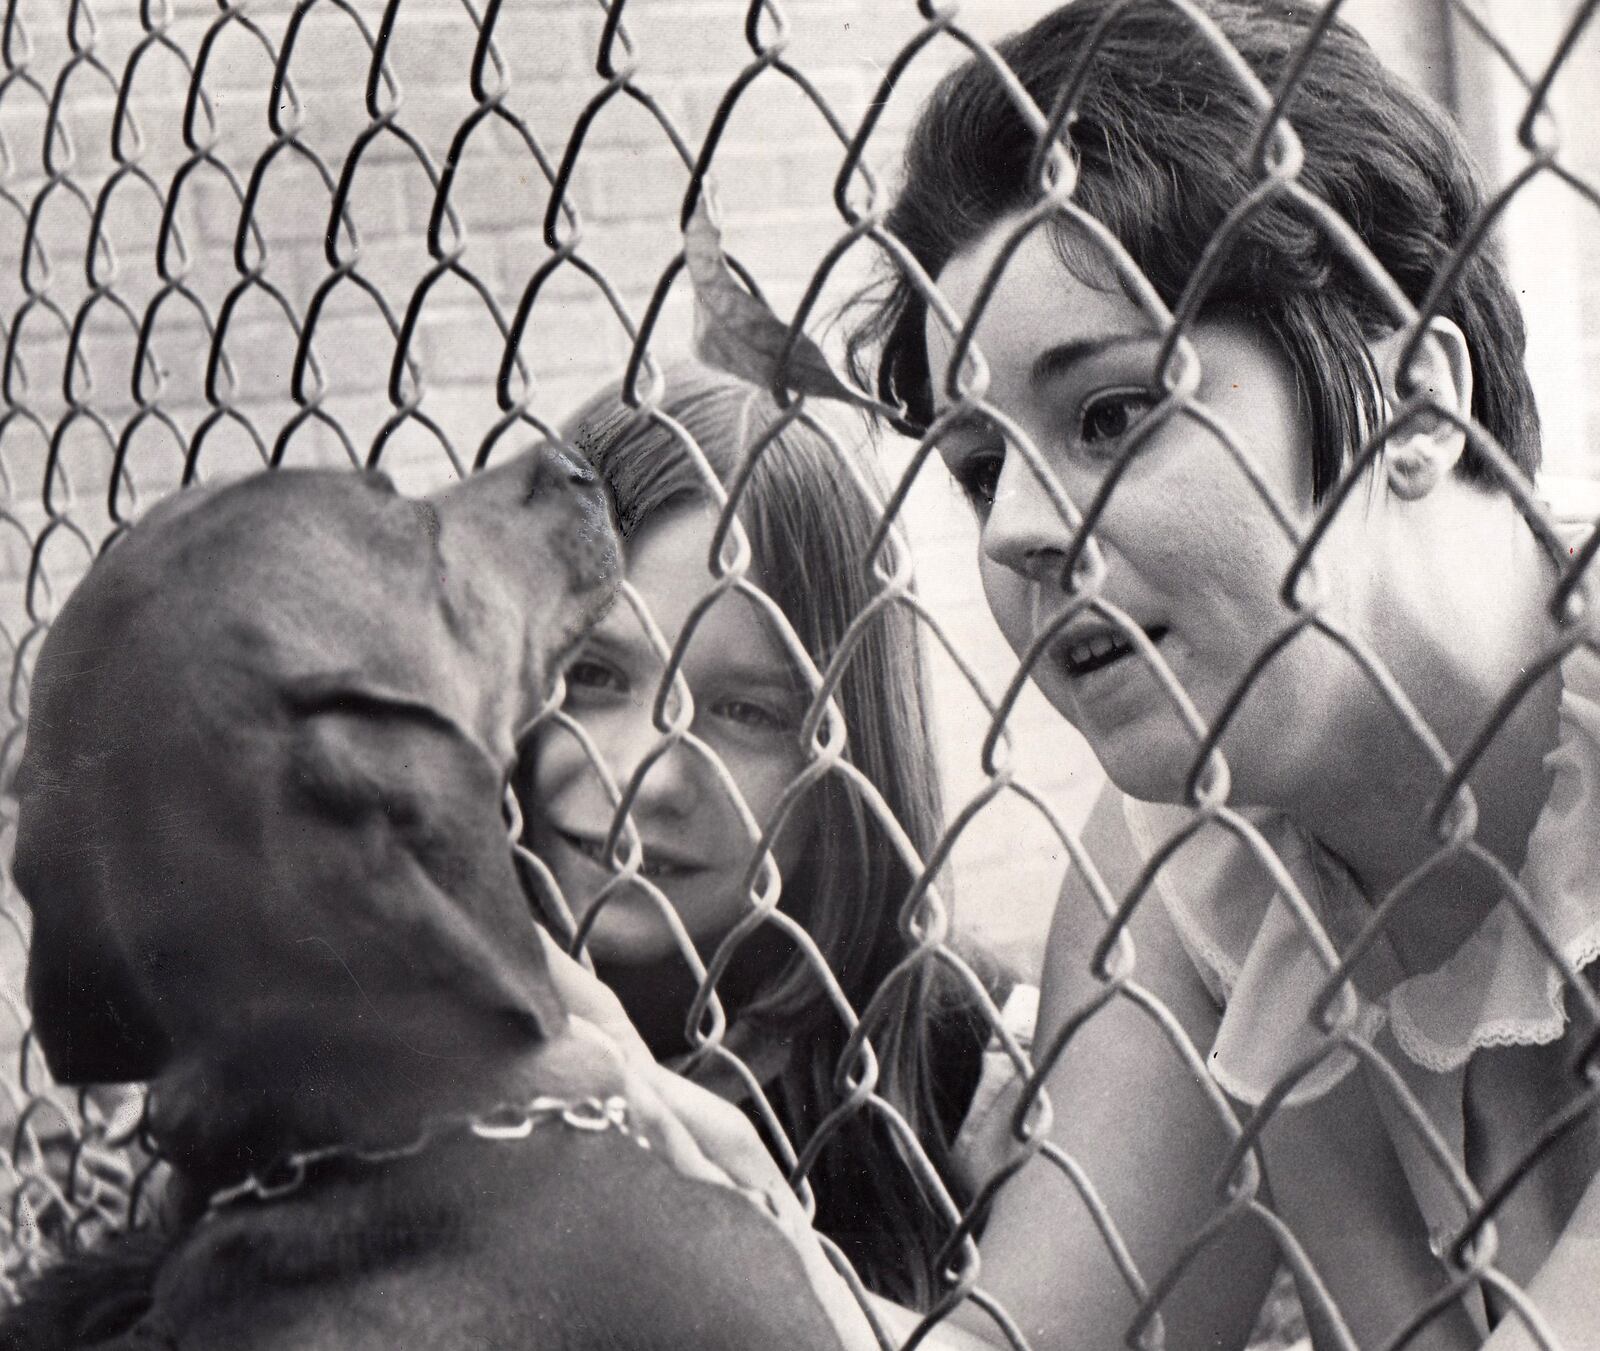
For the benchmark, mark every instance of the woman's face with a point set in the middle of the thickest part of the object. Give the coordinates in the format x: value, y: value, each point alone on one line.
x: 1192, y: 552
x: 747, y: 708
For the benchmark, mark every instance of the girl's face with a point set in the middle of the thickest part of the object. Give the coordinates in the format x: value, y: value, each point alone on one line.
x: 1192, y: 553
x: 747, y: 708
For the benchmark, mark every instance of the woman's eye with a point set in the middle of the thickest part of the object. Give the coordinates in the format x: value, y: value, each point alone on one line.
x: 748, y: 713
x: 1111, y: 416
x: 586, y: 674
x: 978, y: 477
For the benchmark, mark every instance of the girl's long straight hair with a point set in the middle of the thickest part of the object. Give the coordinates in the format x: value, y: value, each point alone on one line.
x: 809, y: 524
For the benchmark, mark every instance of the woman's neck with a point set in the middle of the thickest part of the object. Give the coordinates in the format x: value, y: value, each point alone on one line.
x: 1387, y: 839
x: 1482, y: 636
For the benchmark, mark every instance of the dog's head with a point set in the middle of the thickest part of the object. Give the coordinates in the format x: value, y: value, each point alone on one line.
x: 502, y: 535
x: 260, y: 804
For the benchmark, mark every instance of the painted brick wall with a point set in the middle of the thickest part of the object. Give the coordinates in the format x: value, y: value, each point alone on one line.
x: 774, y: 180
x: 774, y: 177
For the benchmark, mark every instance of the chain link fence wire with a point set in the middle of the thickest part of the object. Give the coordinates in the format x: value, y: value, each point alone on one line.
x: 203, y: 276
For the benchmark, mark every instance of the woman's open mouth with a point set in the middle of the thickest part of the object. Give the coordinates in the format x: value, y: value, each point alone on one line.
x: 656, y: 867
x: 1101, y: 649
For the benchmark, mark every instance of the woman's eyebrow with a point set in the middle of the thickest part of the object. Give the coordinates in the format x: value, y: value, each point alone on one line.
x: 619, y: 637
x: 1061, y: 357
x: 627, y: 642
x: 770, y: 676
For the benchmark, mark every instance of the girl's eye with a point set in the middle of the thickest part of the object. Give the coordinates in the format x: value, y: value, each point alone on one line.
x: 756, y: 717
x: 588, y: 674
x: 978, y: 477
x: 1112, y: 415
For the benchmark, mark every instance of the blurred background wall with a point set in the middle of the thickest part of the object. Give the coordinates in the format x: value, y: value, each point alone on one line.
x: 774, y: 180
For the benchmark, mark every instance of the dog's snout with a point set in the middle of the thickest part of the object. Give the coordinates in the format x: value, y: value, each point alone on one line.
x: 556, y: 467
x: 546, y: 506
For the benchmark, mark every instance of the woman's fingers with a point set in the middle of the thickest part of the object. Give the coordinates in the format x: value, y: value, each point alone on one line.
x: 699, y: 1134
x: 697, y: 1131
x: 733, y: 1146
x: 584, y: 995
x: 650, y: 1117
x: 723, y: 1133
x: 702, y: 1134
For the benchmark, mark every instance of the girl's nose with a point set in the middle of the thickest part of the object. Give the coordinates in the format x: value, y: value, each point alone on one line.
x: 1024, y: 531
x: 674, y: 780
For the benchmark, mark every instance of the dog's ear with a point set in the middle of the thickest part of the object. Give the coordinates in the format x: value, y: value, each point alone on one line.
x: 414, y: 793
x: 391, y: 963
x: 350, y: 782
x: 90, y: 1016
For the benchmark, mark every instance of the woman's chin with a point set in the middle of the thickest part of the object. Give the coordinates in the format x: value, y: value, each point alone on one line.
x: 1152, y: 768
x: 630, y: 931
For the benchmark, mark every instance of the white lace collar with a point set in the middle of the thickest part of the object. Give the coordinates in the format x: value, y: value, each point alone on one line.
x: 1498, y: 988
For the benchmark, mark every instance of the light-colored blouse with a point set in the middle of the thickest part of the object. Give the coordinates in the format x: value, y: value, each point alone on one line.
x: 1499, y: 989
x: 983, y: 1143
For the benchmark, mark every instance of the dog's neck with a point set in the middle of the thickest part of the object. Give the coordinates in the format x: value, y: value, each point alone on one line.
x: 246, y: 1101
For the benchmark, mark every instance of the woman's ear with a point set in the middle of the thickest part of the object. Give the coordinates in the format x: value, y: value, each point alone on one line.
x: 1425, y: 446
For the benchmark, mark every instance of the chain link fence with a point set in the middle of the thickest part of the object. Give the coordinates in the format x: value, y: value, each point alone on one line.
x: 235, y: 242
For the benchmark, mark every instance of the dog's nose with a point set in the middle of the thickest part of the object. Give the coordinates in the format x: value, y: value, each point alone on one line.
x: 555, y: 466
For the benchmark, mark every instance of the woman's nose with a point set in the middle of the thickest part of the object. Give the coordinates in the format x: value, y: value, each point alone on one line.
x: 1025, y: 530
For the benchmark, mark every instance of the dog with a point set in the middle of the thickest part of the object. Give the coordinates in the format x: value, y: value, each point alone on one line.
x: 262, y: 833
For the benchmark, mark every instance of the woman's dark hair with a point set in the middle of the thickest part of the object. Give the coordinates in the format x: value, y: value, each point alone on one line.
x: 809, y: 524
x: 1161, y: 138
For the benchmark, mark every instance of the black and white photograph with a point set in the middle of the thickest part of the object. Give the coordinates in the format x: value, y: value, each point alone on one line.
x: 836, y: 675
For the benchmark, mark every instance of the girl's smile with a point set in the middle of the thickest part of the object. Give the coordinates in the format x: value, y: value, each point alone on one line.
x: 659, y: 860
x: 696, y: 848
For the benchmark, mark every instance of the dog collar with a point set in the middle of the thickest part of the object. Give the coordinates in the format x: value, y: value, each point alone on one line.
x: 510, y: 1122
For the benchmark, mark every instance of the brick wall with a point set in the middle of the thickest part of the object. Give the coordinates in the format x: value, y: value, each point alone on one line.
x: 774, y: 179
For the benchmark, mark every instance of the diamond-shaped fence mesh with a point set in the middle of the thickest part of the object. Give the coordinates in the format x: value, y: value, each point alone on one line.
x: 249, y: 235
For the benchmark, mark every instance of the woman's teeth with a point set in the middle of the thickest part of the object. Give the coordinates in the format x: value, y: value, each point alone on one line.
x: 1097, y: 651
x: 595, y: 849
x: 1101, y: 650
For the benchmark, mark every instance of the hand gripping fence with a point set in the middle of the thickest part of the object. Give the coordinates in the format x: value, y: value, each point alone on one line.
x: 132, y: 370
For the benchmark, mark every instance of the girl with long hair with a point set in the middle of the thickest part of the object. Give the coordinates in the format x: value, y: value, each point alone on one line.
x: 809, y: 522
